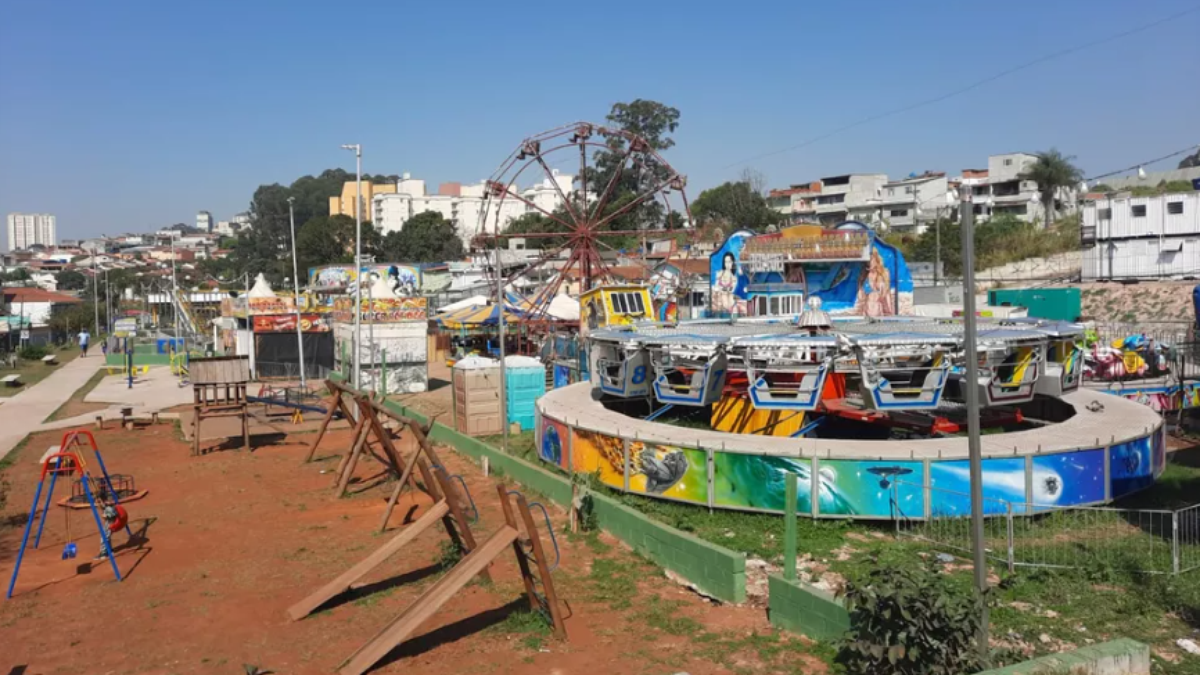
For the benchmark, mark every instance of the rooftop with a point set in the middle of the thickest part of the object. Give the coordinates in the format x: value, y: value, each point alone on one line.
x: 18, y: 294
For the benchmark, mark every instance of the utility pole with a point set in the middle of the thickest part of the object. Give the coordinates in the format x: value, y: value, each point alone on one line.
x: 95, y: 291
x: 979, y: 556
x: 937, y: 237
x: 357, y: 148
x: 296, y: 292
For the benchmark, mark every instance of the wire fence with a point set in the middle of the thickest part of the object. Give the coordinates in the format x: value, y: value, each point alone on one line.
x: 1148, y: 541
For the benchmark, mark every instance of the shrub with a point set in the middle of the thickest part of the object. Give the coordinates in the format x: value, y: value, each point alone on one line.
x: 32, y: 352
x: 909, y: 621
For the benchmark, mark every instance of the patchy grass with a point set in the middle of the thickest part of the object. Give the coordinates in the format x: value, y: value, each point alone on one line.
x: 532, y: 627
x: 32, y: 372
x: 519, y: 445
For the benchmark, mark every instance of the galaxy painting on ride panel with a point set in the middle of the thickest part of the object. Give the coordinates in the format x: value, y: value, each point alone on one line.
x: 1131, y: 466
x: 553, y: 445
x: 870, y: 288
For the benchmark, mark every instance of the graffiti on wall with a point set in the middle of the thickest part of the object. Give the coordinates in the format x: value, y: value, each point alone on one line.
x: 1068, y: 478
x: 553, y: 447
x: 668, y: 471
x: 1130, y: 466
x: 878, y: 285
x: 1003, y: 484
x: 601, y: 455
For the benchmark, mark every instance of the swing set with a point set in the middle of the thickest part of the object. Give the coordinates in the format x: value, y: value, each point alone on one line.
x: 102, y: 498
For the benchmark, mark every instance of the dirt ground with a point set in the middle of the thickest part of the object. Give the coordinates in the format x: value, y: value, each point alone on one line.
x: 1147, y: 301
x: 229, y: 540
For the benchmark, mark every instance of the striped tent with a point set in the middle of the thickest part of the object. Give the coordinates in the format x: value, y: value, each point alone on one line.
x: 471, y: 317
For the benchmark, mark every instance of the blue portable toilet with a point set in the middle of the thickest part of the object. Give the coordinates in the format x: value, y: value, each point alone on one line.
x: 525, y: 383
x: 1196, y: 303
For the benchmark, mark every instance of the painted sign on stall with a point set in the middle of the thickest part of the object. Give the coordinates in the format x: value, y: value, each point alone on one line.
x: 381, y: 310
x: 275, y: 305
x: 404, y: 280
x: 286, y: 323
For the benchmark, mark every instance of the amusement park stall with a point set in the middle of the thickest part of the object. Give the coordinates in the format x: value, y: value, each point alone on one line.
x: 395, y: 350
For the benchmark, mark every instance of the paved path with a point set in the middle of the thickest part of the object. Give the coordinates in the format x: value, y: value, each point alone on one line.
x: 23, y: 413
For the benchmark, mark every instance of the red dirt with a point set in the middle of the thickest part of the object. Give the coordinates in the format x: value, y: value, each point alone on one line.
x: 234, y: 538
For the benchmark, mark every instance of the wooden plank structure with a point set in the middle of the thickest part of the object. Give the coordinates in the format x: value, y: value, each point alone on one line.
x: 219, y: 390
x: 337, y: 402
x: 529, y: 552
x: 448, y: 509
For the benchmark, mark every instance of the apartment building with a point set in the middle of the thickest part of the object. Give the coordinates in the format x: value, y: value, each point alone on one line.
x: 849, y: 197
x: 29, y: 229
x: 466, y: 205
x: 798, y: 202
x: 343, y: 204
x: 911, y: 204
x: 1000, y: 189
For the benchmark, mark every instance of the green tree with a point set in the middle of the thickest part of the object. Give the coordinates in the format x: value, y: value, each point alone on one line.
x: 71, y: 280
x: 1190, y: 161
x: 426, y: 237
x: 653, y: 122
x: 1165, y: 187
x: 19, y: 274
x: 325, y: 240
x: 1051, y: 171
x: 736, y: 204
x: 536, y: 223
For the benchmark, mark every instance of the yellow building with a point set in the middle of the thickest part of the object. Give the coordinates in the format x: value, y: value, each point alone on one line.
x: 344, y: 204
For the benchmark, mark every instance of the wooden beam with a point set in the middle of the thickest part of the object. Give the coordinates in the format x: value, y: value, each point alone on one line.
x: 343, y: 582
x: 400, y: 628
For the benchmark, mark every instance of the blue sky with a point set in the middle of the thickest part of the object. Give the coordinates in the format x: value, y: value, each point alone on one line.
x: 128, y: 116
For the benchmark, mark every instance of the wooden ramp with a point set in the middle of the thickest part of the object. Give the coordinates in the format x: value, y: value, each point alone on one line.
x: 346, y: 579
x: 530, y: 555
x: 429, y: 602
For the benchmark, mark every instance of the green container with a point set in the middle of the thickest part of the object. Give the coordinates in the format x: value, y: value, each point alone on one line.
x: 1059, y: 304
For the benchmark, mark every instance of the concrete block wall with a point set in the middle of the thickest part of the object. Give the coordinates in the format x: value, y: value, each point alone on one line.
x: 801, y: 608
x: 714, y: 570
x: 1116, y: 657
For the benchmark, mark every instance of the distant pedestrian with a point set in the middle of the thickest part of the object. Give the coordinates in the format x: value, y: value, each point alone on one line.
x: 104, y: 347
x: 84, y: 339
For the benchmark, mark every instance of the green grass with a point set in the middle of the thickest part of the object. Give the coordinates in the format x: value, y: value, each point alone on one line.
x: 519, y: 445
x: 532, y: 626
x: 79, y: 395
x: 32, y: 372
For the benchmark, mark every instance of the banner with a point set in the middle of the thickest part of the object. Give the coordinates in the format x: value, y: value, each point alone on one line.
x: 286, y: 323
x: 278, y: 305
x: 381, y: 310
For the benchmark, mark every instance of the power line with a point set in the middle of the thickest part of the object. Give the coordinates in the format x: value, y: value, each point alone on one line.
x: 970, y: 87
x: 1146, y: 163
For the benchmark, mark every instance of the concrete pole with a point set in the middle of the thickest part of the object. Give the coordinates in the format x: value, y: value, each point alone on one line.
x: 296, y: 291
x: 979, y: 556
x: 789, y: 526
x: 358, y: 267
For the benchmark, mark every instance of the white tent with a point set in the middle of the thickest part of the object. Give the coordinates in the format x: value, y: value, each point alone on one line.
x: 473, y: 301
x: 261, y: 288
x: 564, y: 308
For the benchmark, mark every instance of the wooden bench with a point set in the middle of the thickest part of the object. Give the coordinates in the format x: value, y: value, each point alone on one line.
x: 13, y: 380
x: 50, y: 359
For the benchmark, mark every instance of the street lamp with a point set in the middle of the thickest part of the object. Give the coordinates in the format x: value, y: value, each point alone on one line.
x: 357, y: 148
x: 296, y: 291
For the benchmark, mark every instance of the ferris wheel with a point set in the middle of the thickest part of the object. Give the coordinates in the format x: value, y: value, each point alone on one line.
x: 623, y: 192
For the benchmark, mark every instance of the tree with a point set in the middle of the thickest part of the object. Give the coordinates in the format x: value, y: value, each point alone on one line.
x: 325, y: 240
x: 534, y: 222
x: 652, y: 121
x: 71, y: 280
x: 1190, y: 161
x: 736, y: 204
x: 1051, y: 171
x: 426, y: 237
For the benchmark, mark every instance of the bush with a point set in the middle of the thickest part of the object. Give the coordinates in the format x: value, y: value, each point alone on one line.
x: 32, y: 352
x: 909, y: 621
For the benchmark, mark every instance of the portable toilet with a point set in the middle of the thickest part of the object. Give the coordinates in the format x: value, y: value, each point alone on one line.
x: 477, y: 396
x: 526, y: 383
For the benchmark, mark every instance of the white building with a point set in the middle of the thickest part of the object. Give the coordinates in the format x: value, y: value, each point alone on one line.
x: 850, y: 197
x: 204, y: 221
x: 27, y: 229
x: 465, y: 205
x: 910, y: 204
x: 1127, y: 237
x: 1002, y: 190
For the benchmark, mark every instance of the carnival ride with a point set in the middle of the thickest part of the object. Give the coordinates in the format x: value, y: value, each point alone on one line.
x: 643, y: 195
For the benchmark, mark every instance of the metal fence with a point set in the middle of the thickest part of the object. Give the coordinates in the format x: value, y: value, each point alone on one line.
x: 271, y: 370
x: 1016, y: 534
x: 1169, y: 332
